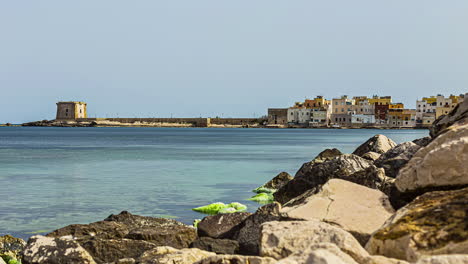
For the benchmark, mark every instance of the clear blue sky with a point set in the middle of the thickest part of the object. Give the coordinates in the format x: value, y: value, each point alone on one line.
x: 218, y: 57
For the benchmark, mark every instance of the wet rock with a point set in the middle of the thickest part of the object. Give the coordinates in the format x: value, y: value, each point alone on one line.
x: 49, y: 250
x: 378, y: 143
x: 458, y: 116
x: 278, y: 181
x: 435, y: 223
x: 371, y: 156
x: 249, y: 233
x: 236, y: 259
x: 218, y: 246
x: 444, y: 259
x: 442, y: 163
x: 319, y: 173
x: 323, y: 253
x: 126, y: 235
x: 282, y: 239
x: 422, y: 141
x: 169, y: 255
x: 11, y: 246
x: 394, y: 159
x: 222, y: 225
x: 338, y: 204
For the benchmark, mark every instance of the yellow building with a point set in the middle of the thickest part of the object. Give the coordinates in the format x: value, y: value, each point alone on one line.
x: 380, y: 100
x: 396, y: 106
x: 430, y: 100
x: 317, y: 102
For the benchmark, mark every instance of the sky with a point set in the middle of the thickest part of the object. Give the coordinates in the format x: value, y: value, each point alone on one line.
x: 186, y: 58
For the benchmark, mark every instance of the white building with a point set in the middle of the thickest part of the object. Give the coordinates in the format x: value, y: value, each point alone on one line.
x: 299, y: 115
x: 362, y: 119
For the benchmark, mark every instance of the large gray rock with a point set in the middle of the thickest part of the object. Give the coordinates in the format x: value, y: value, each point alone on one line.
x: 249, y: 234
x: 371, y: 155
x: 458, y: 116
x: 323, y: 253
x: 422, y: 141
x: 127, y: 236
x: 442, y: 163
x: 435, y: 223
x: 319, y: 173
x: 326, y: 155
x: 169, y: 255
x: 394, y: 159
x: 282, y: 239
x: 49, y: 250
x: 218, y: 246
x: 338, y: 204
x: 378, y: 143
x: 221, y: 225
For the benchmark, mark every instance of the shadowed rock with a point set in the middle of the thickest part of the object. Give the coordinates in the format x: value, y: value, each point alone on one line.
x: 394, y: 159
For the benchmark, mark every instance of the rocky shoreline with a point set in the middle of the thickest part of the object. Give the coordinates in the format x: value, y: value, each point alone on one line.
x: 384, y: 203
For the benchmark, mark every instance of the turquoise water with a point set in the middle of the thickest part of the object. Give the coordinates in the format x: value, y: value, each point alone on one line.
x: 52, y: 177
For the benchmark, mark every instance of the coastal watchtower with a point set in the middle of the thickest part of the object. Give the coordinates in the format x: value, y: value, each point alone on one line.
x: 71, y: 110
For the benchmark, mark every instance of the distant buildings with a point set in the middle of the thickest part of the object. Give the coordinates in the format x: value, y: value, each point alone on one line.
x: 362, y: 111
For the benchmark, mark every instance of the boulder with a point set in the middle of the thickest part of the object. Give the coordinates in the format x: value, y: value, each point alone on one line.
x: 442, y: 163
x: 323, y: 156
x: 2, y: 261
x: 282, y: 239
x: 218, y: 246
x: 383, y: 260
x: 278, y: 181
x: 444, y: 259
x: 126, y: 235
x: 458, y: 116
x: 221, y: 226
x: 378, y: 143
x: 338, y: 204
x: 323, y: 253
x: 371, y: 155
x: 422, y: 141
x: 394, y: 159
x: 249, y: 233
x: 11, y: 246
x: 169, y: 255
x: 435, y: 223
x: 236, y: 259
x: 319, y: 173
x: 50, y: 250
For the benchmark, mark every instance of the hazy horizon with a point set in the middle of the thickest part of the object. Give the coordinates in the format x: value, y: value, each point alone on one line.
x: 223, y: 58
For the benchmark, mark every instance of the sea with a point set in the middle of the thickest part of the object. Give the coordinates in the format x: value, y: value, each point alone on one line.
x: 51, y: 177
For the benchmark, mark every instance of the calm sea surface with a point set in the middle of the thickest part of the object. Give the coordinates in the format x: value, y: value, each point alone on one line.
x: 52, y: 177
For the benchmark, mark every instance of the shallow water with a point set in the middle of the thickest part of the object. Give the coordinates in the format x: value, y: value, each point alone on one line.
x: 52, y: 177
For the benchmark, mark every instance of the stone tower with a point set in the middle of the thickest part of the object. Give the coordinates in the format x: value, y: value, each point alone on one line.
x: 71, y: 110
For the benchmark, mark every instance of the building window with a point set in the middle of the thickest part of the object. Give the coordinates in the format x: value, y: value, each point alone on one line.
x: 66, y: 110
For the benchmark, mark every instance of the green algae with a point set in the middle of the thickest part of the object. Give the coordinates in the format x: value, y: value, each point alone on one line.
x: 221, y: 208
x: 262, y: 198
x: 10, y: 260
x: 195, y: 222
x: 262, y: 189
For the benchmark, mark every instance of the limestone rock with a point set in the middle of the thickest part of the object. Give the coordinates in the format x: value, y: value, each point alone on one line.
x: 394, y: 159
x: 282, y: 239
x: 435, y: 223
x: 377, y: 143
x: 11, y: 246
x: 249, y: 234
x: 371, y: 155
x: 221, y: 225
x: 218, y: 246
x: 126, y: 235
x: 444, y: 162
x: 323, y: 253
x: 236, y: 259
x: 319, y: 173
x: 169, y: 255
x: 278, y: 181
x: 49, y: 250
x: 2, y: 261
x: 444, y: 259
x: 458, y: 116
x: 338, y: 204
x: 126, y: 261
x: 422, y: 141
x: 383, y: 260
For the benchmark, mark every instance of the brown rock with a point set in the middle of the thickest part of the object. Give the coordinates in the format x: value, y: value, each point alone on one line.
x: 221, y: 225
x: 218, y: 246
